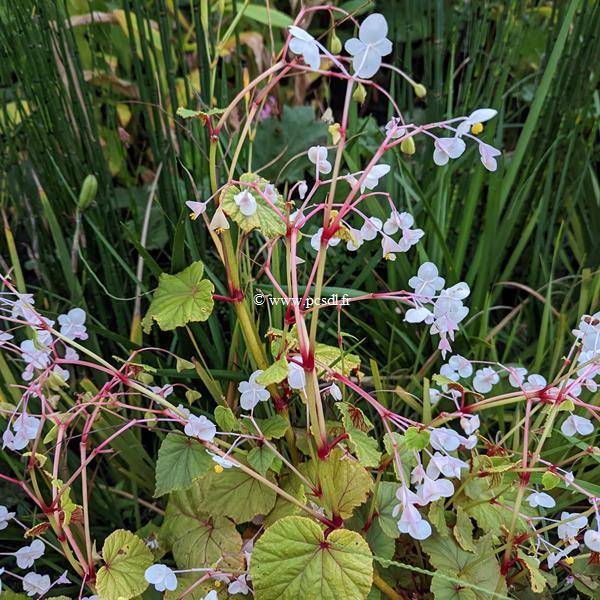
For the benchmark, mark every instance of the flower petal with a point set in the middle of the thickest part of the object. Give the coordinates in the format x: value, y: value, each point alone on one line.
x: 373, y: 29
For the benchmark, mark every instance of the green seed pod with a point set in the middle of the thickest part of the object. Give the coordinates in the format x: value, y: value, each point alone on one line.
x: 420, y: 90
x: 360, y: 93
x: 87, y: 195
x: 335, y: 44
x: 408, y: 146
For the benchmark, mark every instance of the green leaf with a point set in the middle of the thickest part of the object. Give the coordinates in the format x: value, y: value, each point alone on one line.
x: 480, y: 569
x: 184, y: 365
x: 275, y: 373
x: 272, y: 428
x: 415, y: 439
x: 437, y: 517
x: 197, y: 539
x: 356, y: 425
x: 344, y: 483
x: 386, y: 500
x: 181, y: 460
x: 67, y: 505
x: 284, y: 508
x: 236, y: 495
x: 534, y: 574
x: 126, y: 558
x: 225, y: 419
x: 287, y: 139
x: 266, y: 16
x: 186, y: 113
x: 463, y: 530
x: 444, y: 589
x: 293, y: 559
x: 180, y: 299
x: 407, y: 456
x: 261, y: 459
x: 381, y: 544
x: 550, y: 480
x: 265, y: 218
x: 192, y: 395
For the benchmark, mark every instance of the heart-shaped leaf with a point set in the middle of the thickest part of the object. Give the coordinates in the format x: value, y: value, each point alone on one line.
x: 181, y: 299
x: 293, y: 559
x: 126, y: 558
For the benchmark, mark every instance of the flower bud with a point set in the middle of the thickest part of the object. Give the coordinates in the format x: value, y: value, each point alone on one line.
x: 360, y: 93
x: 334, y: 132
x: 335, y: 44
x: 420, y: 90
x: 408, y: 146
x: 89, y: 187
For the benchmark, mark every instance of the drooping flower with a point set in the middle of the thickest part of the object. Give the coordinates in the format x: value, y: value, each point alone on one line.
x: 470, y: 423
x: 5, y: 337
x: 394, y: 129
x: 517, y: 376
x: 219, y: 221
x: 461, y: 365
x: 481, y: 115
x: 246, y: 202
x: 555, y: 557
x: 370, y: 46
x: 296, y: 376
x: 221, y: 461
x: 302, y: 189
x: 27, y: 555
x: 541, y: 499
x: 315, y: 240
x: 591, y: 538
x: 35, y: 358
x: 161, y: 577
x: 413, y: 523
x: 318, y: 157
x: 574, y: 425
x: 485, y: 379
x: 487, y: 154
x: 239, y: 586
x: 443, y: 438
x: 571, y: 524
x: 304, y: 44
x: 201, y: 428
x: 434, y: 489
x: 370, y: 228
x: 447, y: 148
x: 197, y: 208
x: 36, y: 585
x: 446, y: 465
x: 72, y: 325
x: 371, y: 180
x: 251, y: 393
x: 534, y: 383
x: 398, y: 221
x: 24, y: 429
x: 335, y: 392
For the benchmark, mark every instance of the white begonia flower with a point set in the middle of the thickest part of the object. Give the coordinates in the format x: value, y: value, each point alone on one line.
x: 182, y: 410
x: 201, y: 428
x: 27, y: 555
x: 304, y: 44
x: 161, y: 577
x: 36, y: 585
x: 356, y: 240
x: 251, y: 393
x: 444, y: 438
x: 481, y: 115
x: 418, y: 315
x: 197, y: 208
x: 485, y: 379
x: 517, y: 376
x: 212, y: 595
x: 487, y: 154
x: 468, y: 442
x: 5, y: 517
x: 413, y: 523
x: 427, y: 281
x: 434, y: 489
x: 71, y: 354
x: 24, y: 429
x: 246, y: 202
x: 34, y: 358
x: 541, y: 499
x: 434, y: 395
x: 163, y: 391
x: 470, y: 423
x: 448, y: 372
x: 296, y: 376
x: 448, y: 466
x: 318, y: 157
x: 219, y: 220
x: 572, y: 523
x: 315, y: 240
x: 370, y: 228
x: 459, y: 291
x: 591, y: 538
x: 398, y: 221
x: 370, y: 46
x: 302, y: 189
x: 72, y: 325
x: 394, y: 129
x: 534, y: 383
x: 371, y: 180
x: 335, y: 392
x: 555, y: 557
x: 221, y: 461
x: 574, y: 425
x: 239, y: 586
x: 461, y: 365
x: 390, y: 247
x: 447, y: 148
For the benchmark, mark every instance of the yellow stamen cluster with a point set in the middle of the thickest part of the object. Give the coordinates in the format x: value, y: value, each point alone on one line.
x: 476, y: 128
x: 218, y: 468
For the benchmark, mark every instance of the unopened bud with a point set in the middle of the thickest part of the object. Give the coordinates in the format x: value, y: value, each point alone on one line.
x: 87, y: 195
x: 335, y: 44
x: 420, y: 90
x: 334, y: 132
x: 360, y: 93
x: 408, y: 146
